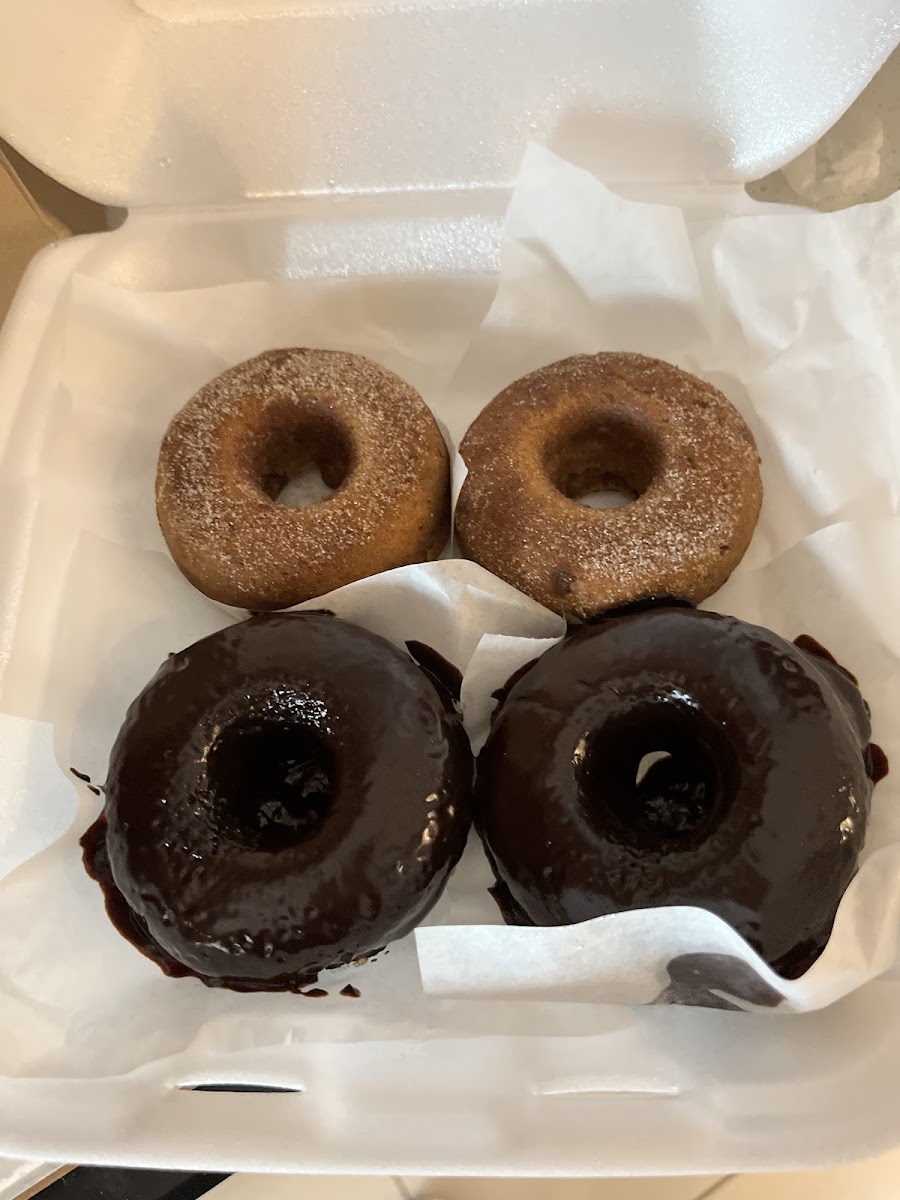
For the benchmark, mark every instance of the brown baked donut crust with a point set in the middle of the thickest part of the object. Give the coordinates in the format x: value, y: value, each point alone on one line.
x: 228, y: 453
x: 622, y: 421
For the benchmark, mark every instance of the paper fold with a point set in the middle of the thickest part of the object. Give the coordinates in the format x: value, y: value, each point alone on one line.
x: 792, y: 316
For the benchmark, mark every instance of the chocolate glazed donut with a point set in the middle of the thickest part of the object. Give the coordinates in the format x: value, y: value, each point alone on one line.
x: 681, y: 757
x: 284, y: 796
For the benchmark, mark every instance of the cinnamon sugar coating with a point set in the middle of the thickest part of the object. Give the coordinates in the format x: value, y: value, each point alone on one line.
x: 229, y: 452
x: 609, y: 421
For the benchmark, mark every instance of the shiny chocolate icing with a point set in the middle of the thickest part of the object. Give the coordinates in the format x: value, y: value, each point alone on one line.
x: 681, y: 757
x: 284, y: 796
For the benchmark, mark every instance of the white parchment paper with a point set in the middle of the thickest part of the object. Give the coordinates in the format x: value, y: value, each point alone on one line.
x: 792, y: 316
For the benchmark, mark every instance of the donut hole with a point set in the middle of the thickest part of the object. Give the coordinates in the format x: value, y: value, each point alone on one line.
x: 273, y: 783
x: 607, y: 497
x: 647, y: 761
x: 305, y: 489
x: 299, y: 464
x: 607, y: 461
x: 658, y: 773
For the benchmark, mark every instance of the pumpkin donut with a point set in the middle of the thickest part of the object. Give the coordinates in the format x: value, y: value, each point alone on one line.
x: 600, y: 422
x: 229, y: 452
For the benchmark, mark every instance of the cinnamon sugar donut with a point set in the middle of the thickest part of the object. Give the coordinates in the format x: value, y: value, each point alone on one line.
x: 600, y: 422
x: 229, y: 452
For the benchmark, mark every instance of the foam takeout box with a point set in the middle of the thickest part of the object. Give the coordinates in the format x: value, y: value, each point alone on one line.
x: 281, y: 138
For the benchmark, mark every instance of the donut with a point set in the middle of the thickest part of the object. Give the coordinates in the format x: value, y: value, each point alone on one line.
x: 680, y: 757
x: 620, y: 422
x: 287, y: 795
x: 227, y: 455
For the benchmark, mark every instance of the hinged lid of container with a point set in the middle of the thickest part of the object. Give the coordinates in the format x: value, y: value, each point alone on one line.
x: 184, y: 102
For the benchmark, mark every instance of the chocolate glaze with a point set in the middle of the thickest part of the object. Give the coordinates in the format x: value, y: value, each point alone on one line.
x: 755, y: 807
x: 876, y: 761
x: 511, y: 913
x: 284, y: 796
x: 877, y: 764
x: 92, y: 787
x: 634, y: 608
x: 708, y: 980
x: 439, y: 668
x: 812, y: 646
x: 500, y: 693
x: 125, y: 919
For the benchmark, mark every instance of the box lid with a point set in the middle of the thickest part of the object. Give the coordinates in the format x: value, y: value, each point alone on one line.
x: 186, y: 102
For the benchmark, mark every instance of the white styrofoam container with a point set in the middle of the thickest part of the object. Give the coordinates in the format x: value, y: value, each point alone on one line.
x: 175, y: 102
x: 289, y: 137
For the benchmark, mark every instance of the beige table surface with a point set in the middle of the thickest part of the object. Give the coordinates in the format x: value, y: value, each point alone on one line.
x: 35, y: 211
x: 878, y: 1180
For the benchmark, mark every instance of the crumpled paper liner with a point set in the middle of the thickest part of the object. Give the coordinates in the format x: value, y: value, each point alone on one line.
x: 844, y: 581
x: 793, y: 316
